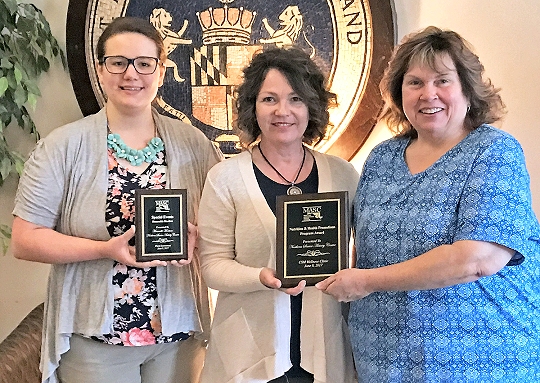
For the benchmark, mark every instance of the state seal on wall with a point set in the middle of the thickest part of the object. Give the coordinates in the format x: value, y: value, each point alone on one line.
x: 209, y: 42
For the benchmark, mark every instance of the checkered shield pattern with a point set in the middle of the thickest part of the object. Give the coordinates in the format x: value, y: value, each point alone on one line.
x: 209, y: 65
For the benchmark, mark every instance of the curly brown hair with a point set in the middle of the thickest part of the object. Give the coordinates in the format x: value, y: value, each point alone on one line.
x: 305, y: 77
x: 426, y: 47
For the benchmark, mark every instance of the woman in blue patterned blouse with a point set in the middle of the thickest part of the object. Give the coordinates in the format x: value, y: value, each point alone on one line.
x: 446, y: 286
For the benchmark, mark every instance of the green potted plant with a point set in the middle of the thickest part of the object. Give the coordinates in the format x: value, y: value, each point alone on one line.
x: 27, y: 48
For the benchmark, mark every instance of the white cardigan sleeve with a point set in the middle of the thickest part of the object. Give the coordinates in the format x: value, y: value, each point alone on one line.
x: 223, y: 214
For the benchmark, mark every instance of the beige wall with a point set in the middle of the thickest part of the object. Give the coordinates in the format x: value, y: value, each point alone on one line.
x: 504, y: 33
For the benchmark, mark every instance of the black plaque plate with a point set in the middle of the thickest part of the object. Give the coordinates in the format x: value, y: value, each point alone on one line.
x: 161, y: 222
x: 312, y: 238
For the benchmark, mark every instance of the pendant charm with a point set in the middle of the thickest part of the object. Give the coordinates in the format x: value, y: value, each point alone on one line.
x: 294, y: 190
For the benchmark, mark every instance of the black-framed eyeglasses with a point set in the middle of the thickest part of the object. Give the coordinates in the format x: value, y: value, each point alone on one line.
x: 119, y: 64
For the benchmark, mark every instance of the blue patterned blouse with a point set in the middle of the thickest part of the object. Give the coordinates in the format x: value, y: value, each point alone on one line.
x: 484, y: 331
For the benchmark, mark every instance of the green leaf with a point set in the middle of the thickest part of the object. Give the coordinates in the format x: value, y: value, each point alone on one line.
x: 11, y: 79
x: 5, y: 246
x: 19, y: 166
x: 25, y: 25
x: 20, y: 96
x: 18, y: 75
x: 3, y: 85
x: 43, y: 63
x: 32, y: 87
x: 32, y: 100
x: 5, y: 231
x: 5, y: 63
x: 5, y: 168
x: 11, y: 5
x: 5, y: 236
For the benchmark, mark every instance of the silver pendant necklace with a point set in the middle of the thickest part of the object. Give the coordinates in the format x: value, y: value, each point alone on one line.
x: 293, y: 189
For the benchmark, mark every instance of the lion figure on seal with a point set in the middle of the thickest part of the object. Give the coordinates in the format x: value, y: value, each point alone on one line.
x: 161, y: 20
x: 291, y: 22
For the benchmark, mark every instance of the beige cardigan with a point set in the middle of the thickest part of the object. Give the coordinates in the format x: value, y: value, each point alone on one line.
x: 249, y: 340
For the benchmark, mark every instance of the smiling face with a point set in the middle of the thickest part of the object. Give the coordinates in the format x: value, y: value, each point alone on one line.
x: 433, y: 100
x: 130, y: 91
x: 281, y: 114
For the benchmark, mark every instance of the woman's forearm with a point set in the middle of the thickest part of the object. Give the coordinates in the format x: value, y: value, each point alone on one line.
x: 41, y: 244
x: 36, y: 243
x: 447, y: 265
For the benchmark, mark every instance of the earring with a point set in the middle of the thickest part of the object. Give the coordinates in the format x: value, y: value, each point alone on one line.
x: 468, y: 108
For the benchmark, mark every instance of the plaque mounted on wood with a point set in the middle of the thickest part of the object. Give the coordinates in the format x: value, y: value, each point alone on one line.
x: 312, y: 238
x: 161, y: 222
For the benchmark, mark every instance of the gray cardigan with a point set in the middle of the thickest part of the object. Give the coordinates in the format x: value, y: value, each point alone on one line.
x: 64, y: 187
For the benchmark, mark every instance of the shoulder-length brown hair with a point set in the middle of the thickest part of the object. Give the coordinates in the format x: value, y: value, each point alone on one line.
x: 425, y: 47
x: 306, y: 79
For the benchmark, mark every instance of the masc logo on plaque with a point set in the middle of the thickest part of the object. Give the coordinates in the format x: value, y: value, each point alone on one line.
x: 209, y: 42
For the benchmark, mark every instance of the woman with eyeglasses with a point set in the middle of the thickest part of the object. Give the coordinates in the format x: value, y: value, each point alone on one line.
x: 109, y: 318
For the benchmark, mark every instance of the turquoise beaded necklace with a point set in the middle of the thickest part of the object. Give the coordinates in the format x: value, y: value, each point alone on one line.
x: 134, y: 156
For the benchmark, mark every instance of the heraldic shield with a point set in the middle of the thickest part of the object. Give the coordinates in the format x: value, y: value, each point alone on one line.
x: 209, y: 42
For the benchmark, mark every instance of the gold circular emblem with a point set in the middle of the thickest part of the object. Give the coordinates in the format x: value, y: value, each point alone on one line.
x: 209, y: 42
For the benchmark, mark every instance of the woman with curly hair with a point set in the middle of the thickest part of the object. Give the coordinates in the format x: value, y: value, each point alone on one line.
x: 262, y: 332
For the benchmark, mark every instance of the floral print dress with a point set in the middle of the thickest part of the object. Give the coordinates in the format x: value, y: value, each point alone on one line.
x: 136, y: 314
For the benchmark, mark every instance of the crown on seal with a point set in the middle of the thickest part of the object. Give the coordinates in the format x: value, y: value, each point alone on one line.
x: 226, y: 25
